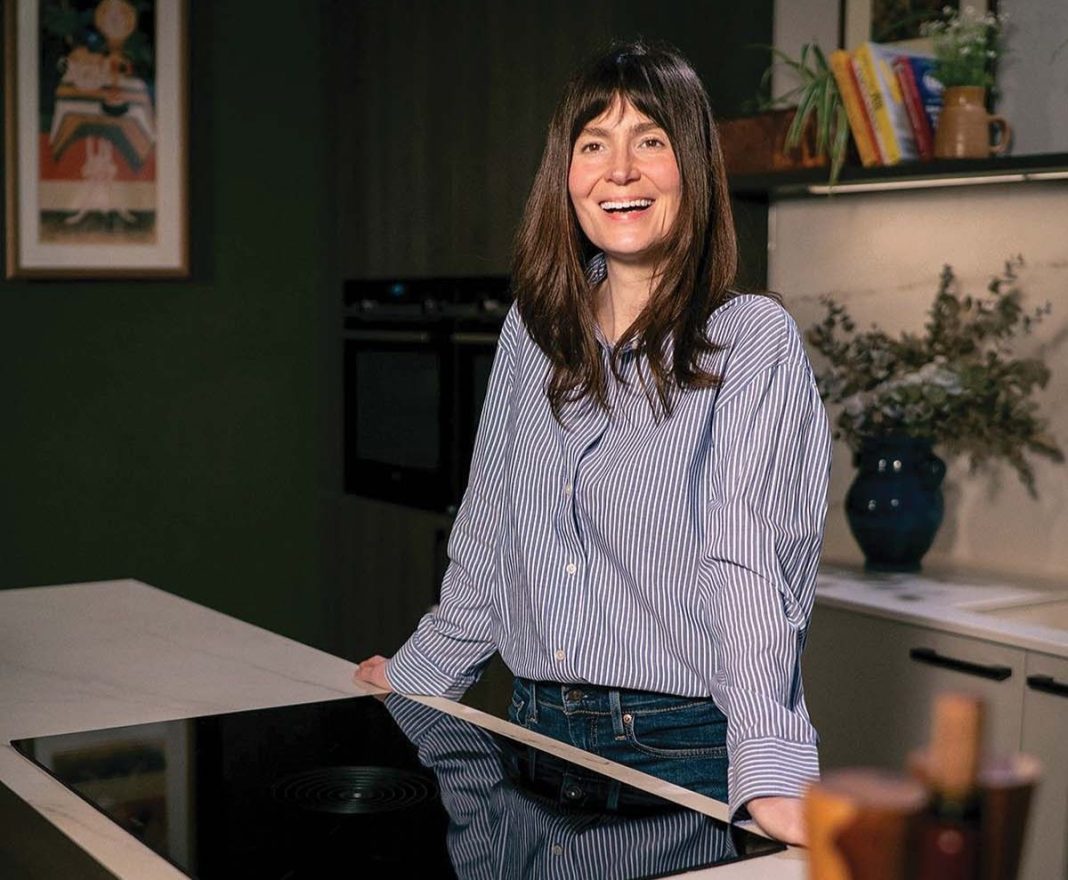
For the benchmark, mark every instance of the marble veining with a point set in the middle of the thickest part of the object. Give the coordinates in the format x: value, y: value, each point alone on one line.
x: 84, y: 656
x: 951, y: 604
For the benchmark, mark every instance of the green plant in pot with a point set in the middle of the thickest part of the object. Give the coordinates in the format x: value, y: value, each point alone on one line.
x: 957, y: 386
x: 820, y: 112
x: 967, y: 45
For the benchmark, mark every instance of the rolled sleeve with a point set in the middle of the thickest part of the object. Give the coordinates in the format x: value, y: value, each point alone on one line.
x: 767, y: 489
x: 452, y: 644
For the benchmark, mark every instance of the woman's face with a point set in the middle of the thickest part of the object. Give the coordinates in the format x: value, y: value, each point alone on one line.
x: 624, y: 183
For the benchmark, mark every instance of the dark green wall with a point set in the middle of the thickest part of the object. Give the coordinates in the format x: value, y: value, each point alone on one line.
x: 173, y: 431
x: 186, y: 433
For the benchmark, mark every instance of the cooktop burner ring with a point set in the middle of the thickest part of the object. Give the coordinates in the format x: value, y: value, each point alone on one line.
x: 354, y: 789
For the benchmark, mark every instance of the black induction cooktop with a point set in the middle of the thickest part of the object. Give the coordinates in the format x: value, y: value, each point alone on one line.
x: 374, y: 787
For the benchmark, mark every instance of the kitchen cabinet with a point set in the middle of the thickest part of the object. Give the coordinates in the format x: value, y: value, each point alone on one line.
x: 1045, y: 735
x: 870, y: 682
x: 392, y: 562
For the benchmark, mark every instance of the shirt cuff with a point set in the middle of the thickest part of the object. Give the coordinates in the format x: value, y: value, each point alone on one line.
x: 769, y: 768
x: 410, y: 671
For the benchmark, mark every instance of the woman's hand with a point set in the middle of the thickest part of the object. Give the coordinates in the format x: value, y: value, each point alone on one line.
x: 373, y: 671
x: 781, y: 817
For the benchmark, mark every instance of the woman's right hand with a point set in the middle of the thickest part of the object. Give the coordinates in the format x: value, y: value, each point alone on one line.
x: 373, y: 671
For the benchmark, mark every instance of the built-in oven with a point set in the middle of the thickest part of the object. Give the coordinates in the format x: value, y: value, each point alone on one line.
x: 417, y: 357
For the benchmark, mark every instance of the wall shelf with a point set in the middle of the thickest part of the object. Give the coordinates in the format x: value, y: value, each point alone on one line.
x: 811, y: 182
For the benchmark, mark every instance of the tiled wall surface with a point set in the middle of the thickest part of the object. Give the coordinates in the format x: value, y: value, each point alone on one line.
x: 881, y: 254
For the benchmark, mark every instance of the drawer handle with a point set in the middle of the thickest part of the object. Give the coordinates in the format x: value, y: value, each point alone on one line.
x: 933, y: 658
x: 1048, y: 685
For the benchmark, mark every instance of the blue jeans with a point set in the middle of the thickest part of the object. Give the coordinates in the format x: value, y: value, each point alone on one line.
x: 680, y: 739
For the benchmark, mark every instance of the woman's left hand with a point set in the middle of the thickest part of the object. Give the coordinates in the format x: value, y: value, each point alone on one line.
x: 373, y: 671
x: 781, y: 817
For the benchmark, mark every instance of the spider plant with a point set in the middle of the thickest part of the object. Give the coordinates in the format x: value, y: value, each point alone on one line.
x: 818, y: 102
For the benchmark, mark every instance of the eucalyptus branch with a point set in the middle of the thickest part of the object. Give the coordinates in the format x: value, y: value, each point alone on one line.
x: 957, y: 384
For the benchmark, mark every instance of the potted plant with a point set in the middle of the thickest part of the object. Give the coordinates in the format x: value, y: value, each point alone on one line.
x: 957, y: 386
x: 966, y: 47
x: 819, y: 105
x: 805, y: 127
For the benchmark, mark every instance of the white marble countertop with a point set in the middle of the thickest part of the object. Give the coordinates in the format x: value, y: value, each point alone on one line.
x: 105, y: 654
x: 1018, y: 611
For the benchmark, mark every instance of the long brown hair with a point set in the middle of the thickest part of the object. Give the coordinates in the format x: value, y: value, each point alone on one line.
x: 696, y: 264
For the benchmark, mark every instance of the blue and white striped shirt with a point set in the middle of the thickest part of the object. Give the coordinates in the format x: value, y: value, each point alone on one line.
x: 676, y: 556
x: 497, y: 829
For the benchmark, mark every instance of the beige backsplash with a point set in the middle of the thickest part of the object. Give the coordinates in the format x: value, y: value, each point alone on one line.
x: 881, y: 254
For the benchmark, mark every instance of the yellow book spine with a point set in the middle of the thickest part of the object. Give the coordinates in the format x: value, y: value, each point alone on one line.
x: 869, y: 73
x: 854, y: 107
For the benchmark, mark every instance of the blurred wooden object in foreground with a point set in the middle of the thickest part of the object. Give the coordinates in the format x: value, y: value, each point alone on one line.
x: 958, y: 815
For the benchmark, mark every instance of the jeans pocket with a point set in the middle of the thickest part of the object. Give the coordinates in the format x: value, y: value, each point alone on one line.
x: 691, y: 731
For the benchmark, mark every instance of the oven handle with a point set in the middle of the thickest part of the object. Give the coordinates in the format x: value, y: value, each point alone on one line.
x: 474, y: 338
x: 387, y: 335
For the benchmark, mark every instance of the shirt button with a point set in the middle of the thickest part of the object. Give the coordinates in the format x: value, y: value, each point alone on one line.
x: 559, y: 654
x: 570, y: 568
x: 567, y: 488
x: 557, y: 850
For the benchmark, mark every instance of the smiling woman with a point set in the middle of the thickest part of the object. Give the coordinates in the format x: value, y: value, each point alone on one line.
x: 624, y: 184
x: 641, y: 529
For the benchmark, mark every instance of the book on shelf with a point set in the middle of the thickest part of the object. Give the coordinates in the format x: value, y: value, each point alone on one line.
x: 856, y: 111
x: 921, y: 125
x: 928, y: 86
x: 868, y: 102
x: 890, y: 117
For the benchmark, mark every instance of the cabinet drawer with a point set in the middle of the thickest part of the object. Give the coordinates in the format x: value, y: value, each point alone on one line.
x: 1045, y: 735
x: 870, y: 684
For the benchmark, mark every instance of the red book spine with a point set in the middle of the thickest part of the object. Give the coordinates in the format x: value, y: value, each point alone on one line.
x: 921, y: 126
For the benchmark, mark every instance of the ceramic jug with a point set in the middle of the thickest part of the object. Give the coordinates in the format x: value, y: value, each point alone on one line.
x: 964, y: 126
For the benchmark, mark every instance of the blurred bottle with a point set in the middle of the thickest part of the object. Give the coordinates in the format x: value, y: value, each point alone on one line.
x: 949, y: 834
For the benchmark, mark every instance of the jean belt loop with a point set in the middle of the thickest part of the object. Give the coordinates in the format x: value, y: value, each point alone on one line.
x: 532, y: 715
x: 615, y: 704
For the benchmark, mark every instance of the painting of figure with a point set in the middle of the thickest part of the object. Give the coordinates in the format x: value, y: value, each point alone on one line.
x: 96, y: 171
x: 98, y: 132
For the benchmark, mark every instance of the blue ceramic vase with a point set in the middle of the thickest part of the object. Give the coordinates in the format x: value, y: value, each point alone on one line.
x: 895, y: 506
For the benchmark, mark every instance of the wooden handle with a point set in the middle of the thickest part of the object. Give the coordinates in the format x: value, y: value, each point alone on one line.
x: 858, y: 825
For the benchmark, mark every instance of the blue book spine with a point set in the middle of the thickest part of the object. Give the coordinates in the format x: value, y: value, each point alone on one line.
x: 929, y: 87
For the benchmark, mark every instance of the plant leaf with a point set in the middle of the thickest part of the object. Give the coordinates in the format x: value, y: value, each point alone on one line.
x: 797, y: 127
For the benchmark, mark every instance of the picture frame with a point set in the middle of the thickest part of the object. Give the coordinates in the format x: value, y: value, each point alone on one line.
x: 860, y: 21
x: 96, y: 139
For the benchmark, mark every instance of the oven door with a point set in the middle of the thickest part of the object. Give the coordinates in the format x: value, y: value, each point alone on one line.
x: 399, y: 413
x: 474, y: 347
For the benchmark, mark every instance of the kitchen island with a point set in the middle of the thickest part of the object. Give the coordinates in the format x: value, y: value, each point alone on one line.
x: 114, y: 653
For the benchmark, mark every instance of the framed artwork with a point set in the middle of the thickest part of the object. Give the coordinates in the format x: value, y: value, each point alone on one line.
x: 96, y: 112
x: 896, y: 21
